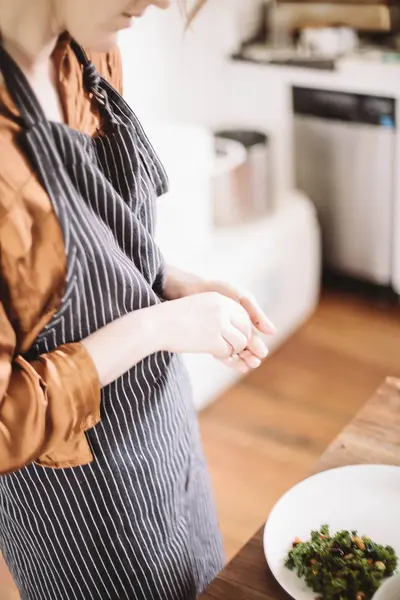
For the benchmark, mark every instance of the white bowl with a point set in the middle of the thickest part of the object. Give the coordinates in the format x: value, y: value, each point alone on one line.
x: 390, y: 590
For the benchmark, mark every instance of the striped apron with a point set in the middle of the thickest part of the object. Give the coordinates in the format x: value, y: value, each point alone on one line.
x: 139, y: 522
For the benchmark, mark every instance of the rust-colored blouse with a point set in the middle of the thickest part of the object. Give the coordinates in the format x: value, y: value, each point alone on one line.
x: 45, y: 405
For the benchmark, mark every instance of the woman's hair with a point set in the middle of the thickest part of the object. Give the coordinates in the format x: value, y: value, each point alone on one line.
x: 194, y: 11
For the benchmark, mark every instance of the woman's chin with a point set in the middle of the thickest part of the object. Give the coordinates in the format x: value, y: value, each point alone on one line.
x: 105, y: 43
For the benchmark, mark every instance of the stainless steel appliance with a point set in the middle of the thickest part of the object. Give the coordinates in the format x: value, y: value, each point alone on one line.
x: 243, y: 188
x: 344, y: 161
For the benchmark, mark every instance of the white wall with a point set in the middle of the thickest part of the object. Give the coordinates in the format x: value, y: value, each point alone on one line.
x: 175, y: 76
x: 183, y: 75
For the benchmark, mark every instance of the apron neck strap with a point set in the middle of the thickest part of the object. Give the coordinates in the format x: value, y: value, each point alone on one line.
x: 92, y: 80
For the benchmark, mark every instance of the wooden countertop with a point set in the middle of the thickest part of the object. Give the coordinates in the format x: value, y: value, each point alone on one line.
x: 373, y: 437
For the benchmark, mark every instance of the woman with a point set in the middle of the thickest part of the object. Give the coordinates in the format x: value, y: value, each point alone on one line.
x: 104, y: 493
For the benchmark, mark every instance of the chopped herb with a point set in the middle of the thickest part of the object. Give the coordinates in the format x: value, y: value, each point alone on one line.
x: 344, y: 566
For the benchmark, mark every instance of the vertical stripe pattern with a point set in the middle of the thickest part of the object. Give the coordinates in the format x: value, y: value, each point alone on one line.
x: 139, y: 522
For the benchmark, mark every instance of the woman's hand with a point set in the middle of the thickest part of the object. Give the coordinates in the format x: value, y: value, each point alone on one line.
x: 244, y: 298
x: 207, y: 323
x: 180, y: 284
x: 250, y: 358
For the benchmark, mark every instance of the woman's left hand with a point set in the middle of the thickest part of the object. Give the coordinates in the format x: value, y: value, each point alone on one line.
x: 246, y: 299
x: 256, y: 351
x: 180, y: 284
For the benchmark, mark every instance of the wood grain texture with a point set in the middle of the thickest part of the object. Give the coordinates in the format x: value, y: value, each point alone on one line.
x: 373, y: 436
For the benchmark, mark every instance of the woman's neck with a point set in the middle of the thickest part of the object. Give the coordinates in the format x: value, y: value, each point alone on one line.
x: 29, y: 31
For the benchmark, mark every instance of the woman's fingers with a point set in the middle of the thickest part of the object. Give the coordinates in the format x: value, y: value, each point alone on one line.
x: 237, y: 340
x: 257, y: 315
x: 245, y: 354
x: 257, y: 347
x: 237, y: 364
x: 251, y: 361
x: 243, y: 363
x: 241, y: 321
x: 223, y: 350
x: 250, y: 358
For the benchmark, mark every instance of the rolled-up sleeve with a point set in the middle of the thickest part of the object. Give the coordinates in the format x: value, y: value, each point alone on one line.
x: 45, y: 405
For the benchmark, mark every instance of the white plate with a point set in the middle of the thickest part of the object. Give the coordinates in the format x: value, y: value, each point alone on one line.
x: 365, y: 498
x: 390, y: 590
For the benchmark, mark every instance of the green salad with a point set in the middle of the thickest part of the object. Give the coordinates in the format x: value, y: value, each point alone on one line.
x: 343, y: 566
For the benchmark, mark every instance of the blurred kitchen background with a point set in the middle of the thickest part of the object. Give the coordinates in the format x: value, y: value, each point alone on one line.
x: 278, y: 123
